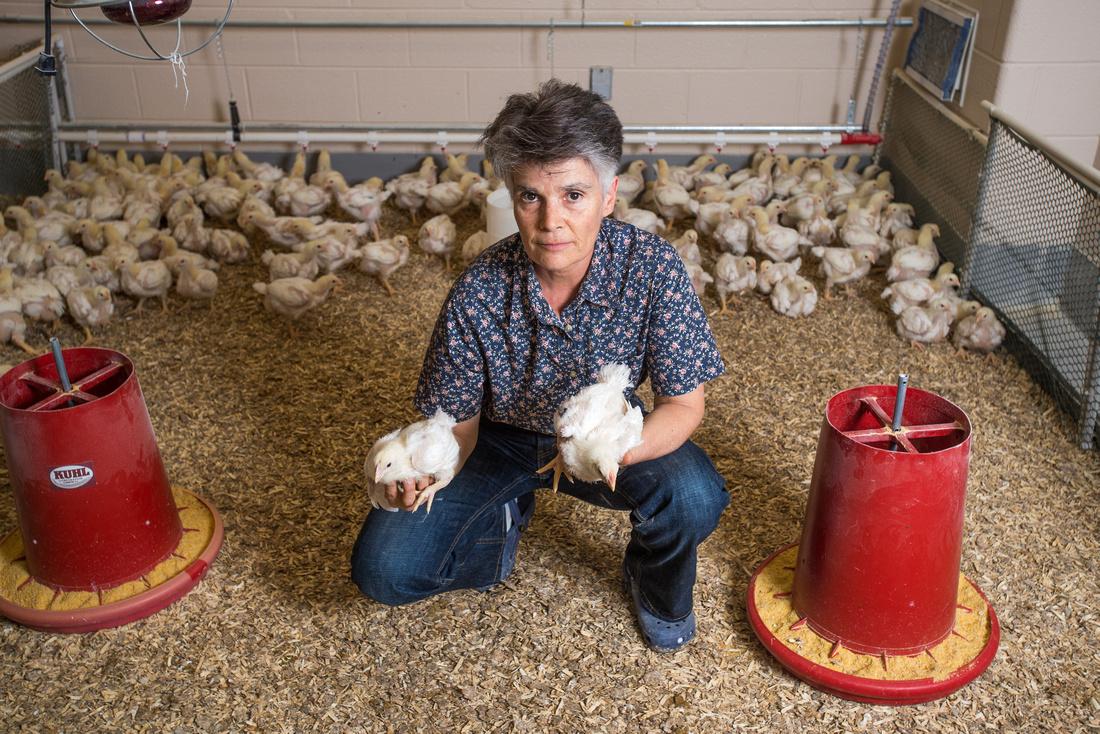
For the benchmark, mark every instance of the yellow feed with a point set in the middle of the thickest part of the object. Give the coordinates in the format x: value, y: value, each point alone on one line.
x: 13, y: 573
x: 947, y: 657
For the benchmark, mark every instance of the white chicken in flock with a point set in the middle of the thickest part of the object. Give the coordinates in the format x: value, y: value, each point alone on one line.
x: 427, y: 448
x: 843, y: 266
x: 640, y: 218
x: 14, y: 329
x: 732, y: 276
x: 769, y: 273
x: 794, y: 297
x: 292, y: 297
x: 90, y: 307
x: 981, y: 332
x: 595, y: 428
x: 383, y: 258
x: 926, y: 324
x: 437, y: 237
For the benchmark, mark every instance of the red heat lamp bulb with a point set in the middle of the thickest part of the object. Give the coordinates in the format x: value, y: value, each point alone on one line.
x: 148, y: 12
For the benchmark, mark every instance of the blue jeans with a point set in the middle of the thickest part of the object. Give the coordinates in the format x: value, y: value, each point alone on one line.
x: 674, y: 502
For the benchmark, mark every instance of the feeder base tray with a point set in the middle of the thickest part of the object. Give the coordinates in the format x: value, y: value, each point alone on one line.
x: 28, y: 602
x: 899, y: 680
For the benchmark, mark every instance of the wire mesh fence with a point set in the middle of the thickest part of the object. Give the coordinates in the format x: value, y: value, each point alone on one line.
x: 935, y: 161
x: 26, y: 143
x: 1035, y: 259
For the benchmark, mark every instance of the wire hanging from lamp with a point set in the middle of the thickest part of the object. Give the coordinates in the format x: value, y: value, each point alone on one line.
x: 141, y: 13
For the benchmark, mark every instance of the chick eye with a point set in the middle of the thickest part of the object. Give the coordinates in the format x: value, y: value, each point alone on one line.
x: 389, y: 464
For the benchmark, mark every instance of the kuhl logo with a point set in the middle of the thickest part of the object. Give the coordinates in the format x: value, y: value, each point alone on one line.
x: 71, y: 476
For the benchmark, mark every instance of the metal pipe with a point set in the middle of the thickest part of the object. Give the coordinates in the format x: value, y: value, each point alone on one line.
x: 63, y: 78
x: 408, y: 127
x: 122, y: 124
x: 137, y: 137
x: 507, y: 24
x: 1087, y: 176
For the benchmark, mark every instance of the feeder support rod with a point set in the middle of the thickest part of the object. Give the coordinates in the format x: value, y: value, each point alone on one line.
x: 62, y: 373
x: 899, y: 405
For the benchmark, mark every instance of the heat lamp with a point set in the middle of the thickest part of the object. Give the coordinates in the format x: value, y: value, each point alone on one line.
x: 138, y: 13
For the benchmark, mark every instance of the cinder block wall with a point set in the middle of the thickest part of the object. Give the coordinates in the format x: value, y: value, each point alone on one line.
x: 661, y: 76
x: 1040, y: 61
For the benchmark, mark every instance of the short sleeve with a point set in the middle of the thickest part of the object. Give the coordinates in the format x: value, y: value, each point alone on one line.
x: 681, y: 353
x: 453, y: 375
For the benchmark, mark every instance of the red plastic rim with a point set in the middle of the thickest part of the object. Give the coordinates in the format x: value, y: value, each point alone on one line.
x: 870, y: 690
x: 129, y: 610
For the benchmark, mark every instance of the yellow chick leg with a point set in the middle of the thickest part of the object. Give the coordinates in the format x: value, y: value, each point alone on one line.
x: 87, y: 335
x: 17, y: 341
x: 386, y: 285
x: 141, y: 302
x: 164, y: 303
x: 559, y: 468
x: 427, y: 495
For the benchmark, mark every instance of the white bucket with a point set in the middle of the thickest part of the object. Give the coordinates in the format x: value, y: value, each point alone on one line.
x: 500, y: 221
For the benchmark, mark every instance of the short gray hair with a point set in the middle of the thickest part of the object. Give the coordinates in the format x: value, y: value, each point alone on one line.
x: 557, y: 122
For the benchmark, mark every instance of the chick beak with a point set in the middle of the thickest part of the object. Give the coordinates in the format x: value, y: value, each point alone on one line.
x: 610, y: 478
x: 378, y: 475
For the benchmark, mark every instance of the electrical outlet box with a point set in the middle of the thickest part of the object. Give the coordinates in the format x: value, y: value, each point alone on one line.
x: 599, y: 80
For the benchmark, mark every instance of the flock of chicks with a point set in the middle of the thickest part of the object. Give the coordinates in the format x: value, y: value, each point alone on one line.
x: 784, y: 210
x: 117, y: 225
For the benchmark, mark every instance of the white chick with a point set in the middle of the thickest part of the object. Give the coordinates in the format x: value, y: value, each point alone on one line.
x: 427, y: 448
x: 300, y: 264
x: 699, y: 277
x: 41, y: 300
x: 410, y: 190
x: 916, y: 261
x: 981, y: 332
x: 14, y: 329
x: 474, y: 245
x: 383, y: 258
x: 147, y: 279
x: 229, y: 246
x: 733, y: 232
x: 843, y: 266
x: 437, y: 237
x: 595, y: 428
x: 91, y: 306
x: 334, y: 253
x: 195, y: 282
x: 631, y: 181
x: 733, y: 276
x: 640, y: 218
x: 687, y: 246
x: 906, y: 293
x: 769, y: 273
x: 926, y: 324
x: 794, y: 296
x: 292, y: 297
x: 775, y: 241
x: 670, y: 199
x: 65, y: 278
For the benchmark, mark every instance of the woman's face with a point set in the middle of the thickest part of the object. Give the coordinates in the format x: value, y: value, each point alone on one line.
x: 559, y: 207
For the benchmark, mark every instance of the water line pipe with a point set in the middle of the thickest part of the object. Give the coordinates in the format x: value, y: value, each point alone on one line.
x: 508, y: 24
x: 160, y: 137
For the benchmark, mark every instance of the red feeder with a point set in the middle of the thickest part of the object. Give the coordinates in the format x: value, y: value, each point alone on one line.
x: 94, y: 504
x: 877, y: 569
